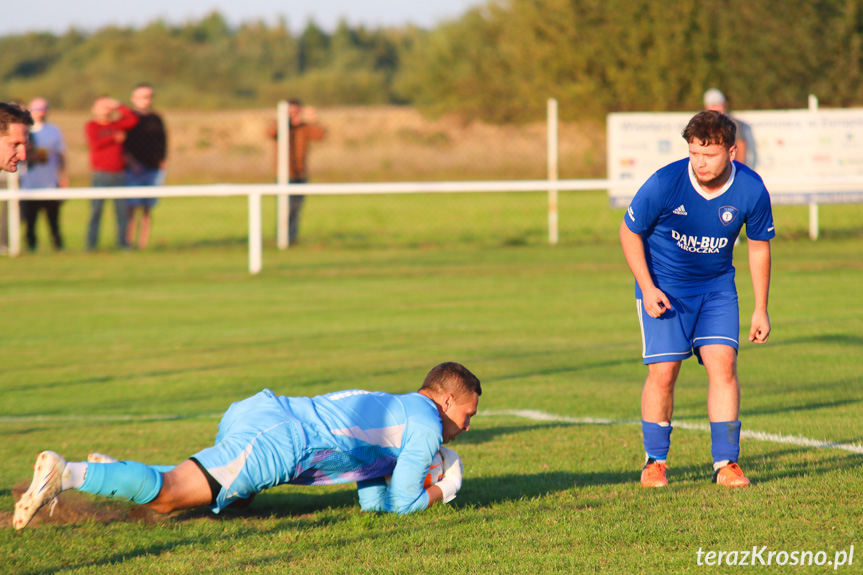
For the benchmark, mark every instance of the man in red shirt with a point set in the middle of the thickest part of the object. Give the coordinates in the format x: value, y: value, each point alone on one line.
x: 106, y: 133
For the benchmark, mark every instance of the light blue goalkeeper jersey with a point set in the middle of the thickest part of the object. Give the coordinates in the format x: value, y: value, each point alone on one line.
x: 364, y: 436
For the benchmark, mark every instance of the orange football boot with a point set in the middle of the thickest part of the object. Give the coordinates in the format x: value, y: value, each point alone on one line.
x: 730, y: 476
x: 653, y: 474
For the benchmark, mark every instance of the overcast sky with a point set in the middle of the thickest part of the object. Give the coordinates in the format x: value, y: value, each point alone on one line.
x: 87, y: 15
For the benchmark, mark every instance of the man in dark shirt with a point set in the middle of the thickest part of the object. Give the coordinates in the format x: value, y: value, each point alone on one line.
x: 145, y: 150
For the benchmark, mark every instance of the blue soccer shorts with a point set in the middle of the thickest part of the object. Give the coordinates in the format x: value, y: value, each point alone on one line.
x: 694, y: 321
x: 258, y: 446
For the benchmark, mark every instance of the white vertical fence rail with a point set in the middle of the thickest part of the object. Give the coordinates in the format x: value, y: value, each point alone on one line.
x: 813, y: 206
x: 283, y: 206
x: 552, y: 171
x: 256, y: 234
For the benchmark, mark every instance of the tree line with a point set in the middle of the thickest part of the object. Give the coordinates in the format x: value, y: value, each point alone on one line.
x: 498, y: 62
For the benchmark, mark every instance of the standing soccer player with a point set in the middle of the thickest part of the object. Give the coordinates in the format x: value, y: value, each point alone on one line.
x: 678, y: 236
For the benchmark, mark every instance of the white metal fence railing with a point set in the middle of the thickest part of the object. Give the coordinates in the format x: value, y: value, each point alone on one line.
x: 824, y: 190
x: 255, y: 192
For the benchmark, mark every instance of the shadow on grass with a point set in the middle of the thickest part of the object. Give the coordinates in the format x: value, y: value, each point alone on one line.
x: 154, y: 550
x: 828, y: 338
x: 799, y: 407
x: 65, y: 383
x: 581, y: 366
x: 487, y: 434
x: 194, y: 539
x: 484, y: 491
x: 276, y: 503
x: 775, y: 466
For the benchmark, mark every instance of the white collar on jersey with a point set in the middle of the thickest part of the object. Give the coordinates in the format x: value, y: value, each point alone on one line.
x: 706, y: 195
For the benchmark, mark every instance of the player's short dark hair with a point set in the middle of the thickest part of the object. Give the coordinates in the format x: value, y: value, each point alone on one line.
x: 295, y: 102
x: 13, y: 114
x: 454, y: 378
x: 711, y: 127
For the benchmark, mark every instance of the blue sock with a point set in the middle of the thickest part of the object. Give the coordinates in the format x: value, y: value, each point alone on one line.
x: 725, y: 436
x: 657, y: 439
x: 127, y: 480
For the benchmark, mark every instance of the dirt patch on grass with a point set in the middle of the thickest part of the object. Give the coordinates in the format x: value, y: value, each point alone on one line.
x: 76, y: 507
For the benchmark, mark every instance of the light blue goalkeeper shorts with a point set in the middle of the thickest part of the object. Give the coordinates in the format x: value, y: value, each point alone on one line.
x: 257, y: 447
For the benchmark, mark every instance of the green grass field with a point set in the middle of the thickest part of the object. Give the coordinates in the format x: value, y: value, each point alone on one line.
x: 138, y: 354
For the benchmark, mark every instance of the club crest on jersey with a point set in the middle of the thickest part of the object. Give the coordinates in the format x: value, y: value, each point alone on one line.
x: 727, y: 214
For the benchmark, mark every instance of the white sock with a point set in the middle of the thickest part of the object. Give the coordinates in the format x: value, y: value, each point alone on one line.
x: 74, y: 474
x: 647, y: 458
x: 720, y: 464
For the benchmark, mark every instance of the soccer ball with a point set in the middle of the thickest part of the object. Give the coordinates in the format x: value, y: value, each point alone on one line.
x: 433, y: 474
x: 435, y: 471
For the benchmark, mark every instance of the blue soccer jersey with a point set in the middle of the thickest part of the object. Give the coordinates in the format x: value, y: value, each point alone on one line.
x: 689, y: 235
x: 339, y: 437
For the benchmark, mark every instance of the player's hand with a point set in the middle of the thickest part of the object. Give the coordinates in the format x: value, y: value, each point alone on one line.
x: 760, y: 330
x: 655, y: 302
x: 452, y: 474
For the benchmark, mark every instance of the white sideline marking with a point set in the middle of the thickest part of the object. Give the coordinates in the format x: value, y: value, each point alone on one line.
x: 756, y: 435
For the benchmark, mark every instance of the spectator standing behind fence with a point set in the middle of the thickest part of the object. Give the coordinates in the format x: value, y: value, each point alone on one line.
x: 106, y: 133
x: 303, y: 128
x: 46, y: 168
x: 146, y: 148
x: 746, y: 152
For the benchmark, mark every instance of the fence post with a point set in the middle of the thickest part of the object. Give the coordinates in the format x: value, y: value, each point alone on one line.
x: 255, y: 233
x: 813, y: 205
x: 283, y: 206
x: 14, y: 212
x: 552, y: 170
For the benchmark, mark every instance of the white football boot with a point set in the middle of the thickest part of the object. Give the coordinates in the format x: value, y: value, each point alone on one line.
x: 46, y: 486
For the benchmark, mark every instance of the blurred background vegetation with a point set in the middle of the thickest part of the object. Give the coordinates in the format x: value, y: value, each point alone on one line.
x: 498, y: 62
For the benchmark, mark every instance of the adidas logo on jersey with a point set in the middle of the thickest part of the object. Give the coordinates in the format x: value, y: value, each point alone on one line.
x: 681, y: 211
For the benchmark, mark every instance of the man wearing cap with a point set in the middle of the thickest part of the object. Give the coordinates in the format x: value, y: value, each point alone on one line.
x: 716, y: 101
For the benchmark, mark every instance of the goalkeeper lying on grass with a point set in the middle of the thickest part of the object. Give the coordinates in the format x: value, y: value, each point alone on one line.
x: 269, y: 440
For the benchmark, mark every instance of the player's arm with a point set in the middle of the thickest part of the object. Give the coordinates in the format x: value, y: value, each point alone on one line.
x: 759, y: 268
x: 655, y: 301
x: 403, y: 491
x: 372, y: 494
